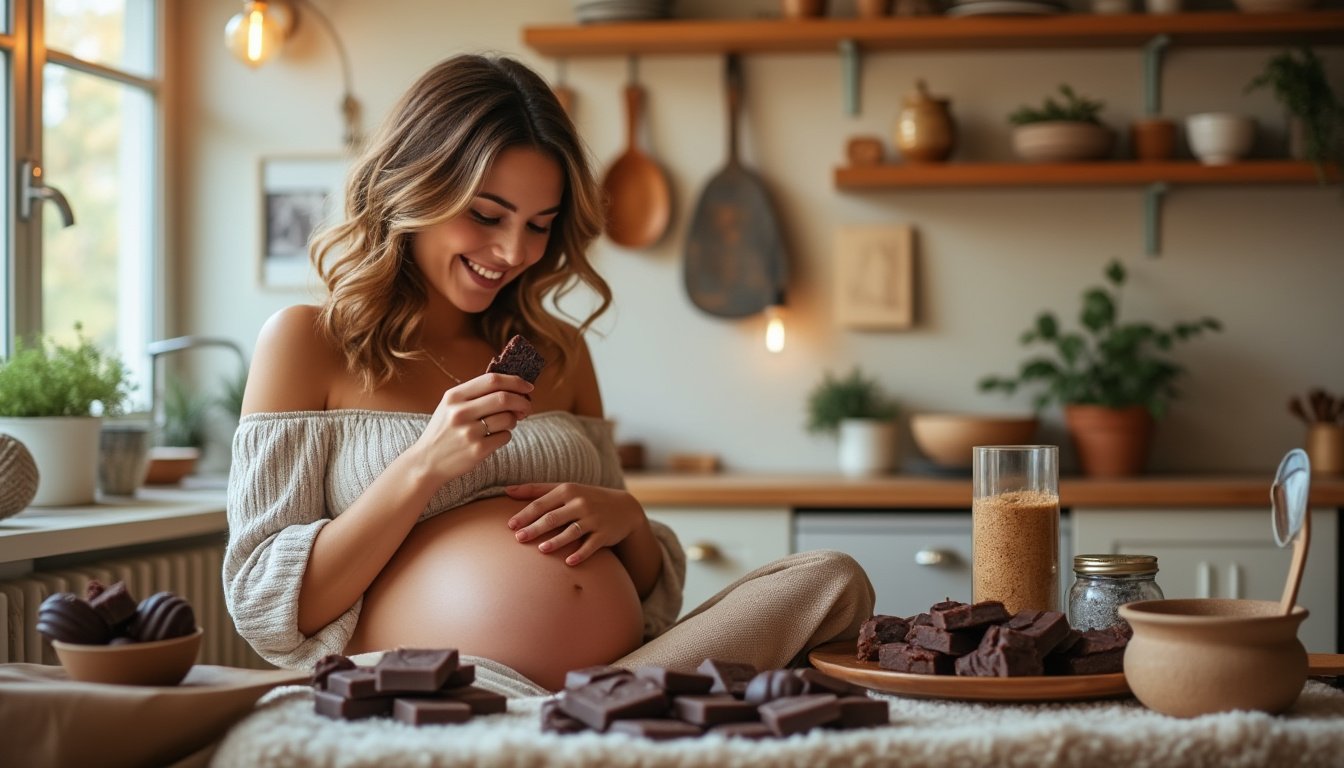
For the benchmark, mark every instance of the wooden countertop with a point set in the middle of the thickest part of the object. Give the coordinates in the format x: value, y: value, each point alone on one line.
x: 731, y: 489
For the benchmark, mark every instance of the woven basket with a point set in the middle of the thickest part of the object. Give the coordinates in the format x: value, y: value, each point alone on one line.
x: 18, y: 476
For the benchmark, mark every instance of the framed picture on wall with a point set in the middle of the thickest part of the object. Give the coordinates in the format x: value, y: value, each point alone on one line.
x: 299, y: 195
x: 874, y: 281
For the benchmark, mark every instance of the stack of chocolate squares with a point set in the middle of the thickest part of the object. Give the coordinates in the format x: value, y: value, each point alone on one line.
x: 728, y: 698
x: 414, y: 685
x: 982, y: 640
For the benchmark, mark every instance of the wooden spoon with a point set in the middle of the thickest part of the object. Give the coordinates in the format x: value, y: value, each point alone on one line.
x: 1291, y: 520
x: 639, y: 202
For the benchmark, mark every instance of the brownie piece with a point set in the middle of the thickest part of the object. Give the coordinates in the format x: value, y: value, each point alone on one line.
x: 878, y: 630
x: 1002, y: 653
x: 116, y: 605
x: 518, y: 358
x: 729, y: 676
x: 1097, y: 652
x: 1047, y: 629
x: 954, y: 615
x: 903, y: 657
x: 952, y: 642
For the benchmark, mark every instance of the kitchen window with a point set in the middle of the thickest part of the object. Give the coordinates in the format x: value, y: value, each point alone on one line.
x: 82, y: 126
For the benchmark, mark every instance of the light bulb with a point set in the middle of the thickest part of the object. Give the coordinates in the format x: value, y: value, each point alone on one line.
x: 255, y: 33
x: 774, y: 328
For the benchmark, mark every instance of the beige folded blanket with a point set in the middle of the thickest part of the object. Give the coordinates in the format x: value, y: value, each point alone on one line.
x: 284, y: 730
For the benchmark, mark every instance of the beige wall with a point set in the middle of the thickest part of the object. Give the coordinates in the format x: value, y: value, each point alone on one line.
x: 1266, y: 260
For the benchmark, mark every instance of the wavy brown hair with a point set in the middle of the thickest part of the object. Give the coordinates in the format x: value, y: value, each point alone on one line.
x: 425, y: 165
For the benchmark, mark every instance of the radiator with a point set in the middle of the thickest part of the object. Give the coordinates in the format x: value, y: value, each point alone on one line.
x: 192, y: 573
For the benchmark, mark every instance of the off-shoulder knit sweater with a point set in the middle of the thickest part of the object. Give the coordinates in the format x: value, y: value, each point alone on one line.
x: 294, y: 472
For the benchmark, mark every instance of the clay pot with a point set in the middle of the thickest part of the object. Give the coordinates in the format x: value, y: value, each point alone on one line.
x: 925, y: 132
x: 1062, y: 141
x: 1153, y: 139
x: 1111, y: 442
x: 1200, y: 656
x: 802, y: 9
x: 1325, y: 448
x: 872, y: 9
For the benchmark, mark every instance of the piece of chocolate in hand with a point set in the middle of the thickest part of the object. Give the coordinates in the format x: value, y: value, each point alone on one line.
x: 518, y: 358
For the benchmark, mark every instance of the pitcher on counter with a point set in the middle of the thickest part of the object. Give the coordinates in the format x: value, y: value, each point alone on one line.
x: 385, y: 492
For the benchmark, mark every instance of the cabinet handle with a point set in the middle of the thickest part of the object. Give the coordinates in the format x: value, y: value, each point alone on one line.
x: 932, y: 557
x: 1204, y: 580
x: 703, y: 552
x: 1234, y: 580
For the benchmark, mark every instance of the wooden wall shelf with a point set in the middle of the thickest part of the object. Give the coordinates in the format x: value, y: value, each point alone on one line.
x: 1081, y: 30
x: 1095, y: 174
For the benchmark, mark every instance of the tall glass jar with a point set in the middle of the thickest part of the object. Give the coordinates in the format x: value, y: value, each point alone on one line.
x: 1103, y: 583
x: 1015, y: 526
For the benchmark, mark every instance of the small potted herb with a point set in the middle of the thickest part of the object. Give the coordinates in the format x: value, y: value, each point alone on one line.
x: 52, y: 399
x: 1061, y: 131
x: 855, y: 410
x: 1112, y: 377
x: 1315, y: 116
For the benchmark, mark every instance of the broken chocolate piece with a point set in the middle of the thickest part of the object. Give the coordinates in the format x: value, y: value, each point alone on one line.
x: 903, y: 657
x: 878, y: 630
x: 952, y: 642
x: 604, y: 701
x: 1096, y: 652
x: 332, y: 662
x: 554, y: 719
x: 1047, y: 629
x: 415, y: 669
x: 518, y: 358
x: 730, y: 677
x: 1002, y: 653
x: 861, y: 712
x: 799, y: 713
x: 954, y: 615
x: 116, y: 605
x: 675, y: 682
x: 430, y: 711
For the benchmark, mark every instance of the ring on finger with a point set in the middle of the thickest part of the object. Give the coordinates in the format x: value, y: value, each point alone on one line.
x: 487, y: 427
x: 577, y: 527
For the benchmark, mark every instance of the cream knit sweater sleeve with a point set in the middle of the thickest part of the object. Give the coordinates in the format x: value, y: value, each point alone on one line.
x: 276, y: 506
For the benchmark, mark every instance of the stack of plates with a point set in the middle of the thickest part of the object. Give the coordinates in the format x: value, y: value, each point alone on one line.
x: 1006, y: 7
x: 590, y: 11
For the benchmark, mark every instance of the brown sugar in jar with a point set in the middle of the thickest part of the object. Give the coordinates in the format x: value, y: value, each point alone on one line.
x: 1015, y: 550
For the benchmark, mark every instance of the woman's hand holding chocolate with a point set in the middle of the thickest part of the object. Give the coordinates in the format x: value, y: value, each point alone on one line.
x: 472, y: 421
x: 600, y: 517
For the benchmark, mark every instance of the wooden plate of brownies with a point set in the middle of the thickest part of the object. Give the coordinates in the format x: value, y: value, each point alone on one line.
x: 840, y: 660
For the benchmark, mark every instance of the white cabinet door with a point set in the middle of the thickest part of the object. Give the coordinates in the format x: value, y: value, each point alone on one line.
x: 914, y: 559
x: 1224, y: 553
x: 723, y: 545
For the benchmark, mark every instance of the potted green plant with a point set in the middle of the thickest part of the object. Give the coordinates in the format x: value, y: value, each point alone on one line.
x: 1061, y: 131
x: 52, y: 399
x: 1315, y: 117
x: 855, y: 410
x: 1112, y: 377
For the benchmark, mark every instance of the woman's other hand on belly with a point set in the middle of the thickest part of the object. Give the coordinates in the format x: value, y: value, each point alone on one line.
x: 560, y: 514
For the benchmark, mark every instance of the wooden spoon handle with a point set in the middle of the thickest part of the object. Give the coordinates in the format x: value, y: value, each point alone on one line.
x: 634, y: 103
x: 1300, y: 545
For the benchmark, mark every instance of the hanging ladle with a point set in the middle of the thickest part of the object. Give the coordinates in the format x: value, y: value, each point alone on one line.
x: 1288, y: 498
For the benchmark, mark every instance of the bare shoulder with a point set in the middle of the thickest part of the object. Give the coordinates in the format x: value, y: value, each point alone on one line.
x: 293, y: 365
x: 583, y: 378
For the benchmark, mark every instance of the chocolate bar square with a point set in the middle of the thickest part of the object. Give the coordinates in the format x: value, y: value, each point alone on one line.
x: 675, y: 682
x: 952, y: 642
x: 412, y: 670
x: 796, y: 714
x: 861, y: 712
x: 430, y: 711
x: 903, y: 657
x: 713, y: 709
x: 954, y: 615
x: 332, y: 662
x: 554, y: 719
x: 481, y: 701
x: 657, y: 730
x: 1047, y: 629
x: 729, y: 676
x: 604, y: 701
x: 337, y: 707
x: 465, y: 674
x: 356, y: 683
x: 878, y: 630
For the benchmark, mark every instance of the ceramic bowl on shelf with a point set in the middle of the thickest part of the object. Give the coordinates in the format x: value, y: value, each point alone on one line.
x: 1201, y: 656
x: 158, y: 662
x: 1062, y: 141
x: 169, y: 464
x: 1220, y: 138
x: 947, y: 439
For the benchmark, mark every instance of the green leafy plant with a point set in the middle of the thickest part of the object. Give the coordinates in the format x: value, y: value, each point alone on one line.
x: 1298, y: 81
x: 1109, y: 362
x: 184, y: 415
x: 52, y: 379
x: 231, y: 401
x: 854, y: 396
x: 1073, y: 108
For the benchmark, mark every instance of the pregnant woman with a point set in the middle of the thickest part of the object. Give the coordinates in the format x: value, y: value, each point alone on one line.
x: 384, y: 492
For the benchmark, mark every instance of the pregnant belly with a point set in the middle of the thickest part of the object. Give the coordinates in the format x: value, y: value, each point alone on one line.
x: 460, y: 580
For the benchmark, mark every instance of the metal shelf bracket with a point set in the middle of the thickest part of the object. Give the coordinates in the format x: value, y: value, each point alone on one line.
x: 1152, y: 74
x: 1152, y: 217
x: 849, y: 73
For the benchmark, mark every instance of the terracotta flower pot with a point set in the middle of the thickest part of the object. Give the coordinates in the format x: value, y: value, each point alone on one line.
x: 1111, y: 442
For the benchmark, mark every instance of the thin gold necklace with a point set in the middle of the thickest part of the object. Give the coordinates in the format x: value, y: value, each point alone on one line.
x: 433, y: 358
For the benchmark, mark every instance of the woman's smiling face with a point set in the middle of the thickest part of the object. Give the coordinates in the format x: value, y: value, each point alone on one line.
x: 504, y: 230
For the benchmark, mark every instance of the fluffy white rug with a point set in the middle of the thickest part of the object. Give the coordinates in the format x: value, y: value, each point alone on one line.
x: 284, y: 731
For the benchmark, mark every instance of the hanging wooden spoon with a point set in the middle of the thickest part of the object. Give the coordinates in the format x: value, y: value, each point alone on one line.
x: 639, y: 202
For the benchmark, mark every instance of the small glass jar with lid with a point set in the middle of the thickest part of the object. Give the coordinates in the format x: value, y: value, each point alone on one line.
x: 1103, y: 583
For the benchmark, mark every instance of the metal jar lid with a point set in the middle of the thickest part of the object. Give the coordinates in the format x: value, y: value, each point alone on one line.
x: 1114, y: 565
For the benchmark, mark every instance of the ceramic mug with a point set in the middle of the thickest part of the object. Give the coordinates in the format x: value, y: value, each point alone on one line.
x: 123, y: 458
x: 1220, y: 138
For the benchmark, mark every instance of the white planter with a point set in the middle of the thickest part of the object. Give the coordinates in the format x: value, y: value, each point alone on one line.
x: 66, y: 452
x: 867, y: 447
x: 1220, y: 138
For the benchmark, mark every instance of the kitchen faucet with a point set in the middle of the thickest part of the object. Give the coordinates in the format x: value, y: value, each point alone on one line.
x: 157, y: 349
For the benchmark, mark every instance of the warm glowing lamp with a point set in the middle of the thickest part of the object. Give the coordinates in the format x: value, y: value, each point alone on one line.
x: 255, y: 33
x: 774, y: 326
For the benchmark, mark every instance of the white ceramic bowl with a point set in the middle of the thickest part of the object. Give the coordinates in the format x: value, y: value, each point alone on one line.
x: 1062, y: 141
x: 1220, y: 138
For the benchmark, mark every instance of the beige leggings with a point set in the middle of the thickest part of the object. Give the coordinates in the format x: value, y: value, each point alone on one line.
x: 770, y: 617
